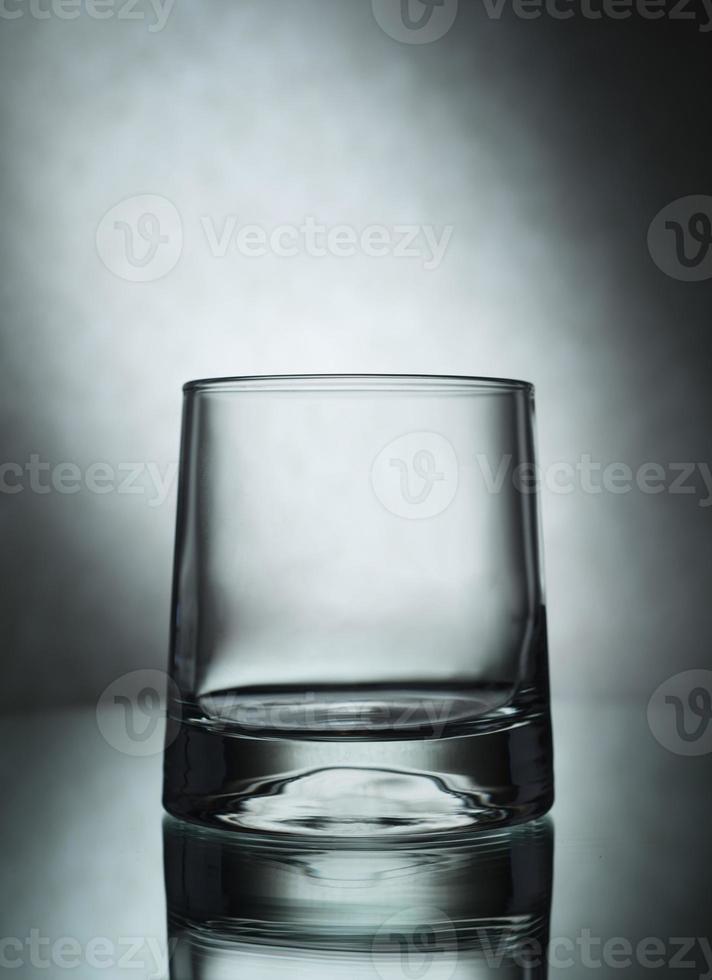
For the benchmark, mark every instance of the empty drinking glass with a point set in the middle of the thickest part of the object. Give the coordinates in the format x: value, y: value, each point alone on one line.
x: 359, y: 633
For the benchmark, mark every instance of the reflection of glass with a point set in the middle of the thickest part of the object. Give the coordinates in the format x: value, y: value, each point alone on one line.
x: 264, y: 909
x: 359, y: 641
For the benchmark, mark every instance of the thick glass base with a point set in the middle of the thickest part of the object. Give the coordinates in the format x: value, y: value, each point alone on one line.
x: 499, y: 773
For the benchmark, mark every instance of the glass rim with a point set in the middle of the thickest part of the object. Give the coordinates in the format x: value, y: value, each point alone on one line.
x: 358, y: 382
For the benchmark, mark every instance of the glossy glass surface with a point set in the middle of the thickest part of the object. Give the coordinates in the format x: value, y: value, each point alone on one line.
x: 82, y: 832
x: 351, y: 570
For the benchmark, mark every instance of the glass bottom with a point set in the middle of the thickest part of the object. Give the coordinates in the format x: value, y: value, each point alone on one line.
x: 498, y: 773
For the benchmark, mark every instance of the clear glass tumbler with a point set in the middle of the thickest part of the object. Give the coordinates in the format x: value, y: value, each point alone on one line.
x: 359, y: 635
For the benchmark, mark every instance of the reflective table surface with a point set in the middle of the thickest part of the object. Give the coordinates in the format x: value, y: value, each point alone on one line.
x: 616, y: 882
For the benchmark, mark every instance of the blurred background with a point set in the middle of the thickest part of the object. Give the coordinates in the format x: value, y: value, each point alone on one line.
x: 140, y: 141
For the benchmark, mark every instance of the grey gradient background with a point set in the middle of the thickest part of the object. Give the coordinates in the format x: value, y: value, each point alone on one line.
x: 549, y: 146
